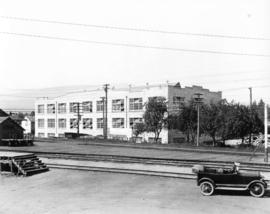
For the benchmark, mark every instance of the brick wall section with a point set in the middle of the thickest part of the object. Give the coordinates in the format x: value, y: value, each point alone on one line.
x: 188, y: 93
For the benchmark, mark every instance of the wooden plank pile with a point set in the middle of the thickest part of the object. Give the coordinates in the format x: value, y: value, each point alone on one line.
x: 26, y: 165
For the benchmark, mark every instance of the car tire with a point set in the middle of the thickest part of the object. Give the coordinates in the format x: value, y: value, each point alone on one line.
x: 207, y: 188
x: 257, y: 190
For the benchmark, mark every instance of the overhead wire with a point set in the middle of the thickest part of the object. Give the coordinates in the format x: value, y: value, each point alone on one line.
x: 82, y: 91
x: 132, y: 45
x: 109, y: 27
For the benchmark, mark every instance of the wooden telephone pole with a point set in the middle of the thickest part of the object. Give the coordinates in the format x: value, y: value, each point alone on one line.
x: 266, y: 133
x: 250, y: 100
x: 198, y: 100
x: 78, y: 119
x: 103, y: 116
x: 105, y: 121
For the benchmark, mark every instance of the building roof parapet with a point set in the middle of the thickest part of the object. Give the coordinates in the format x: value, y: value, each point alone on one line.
x: 130, y: 88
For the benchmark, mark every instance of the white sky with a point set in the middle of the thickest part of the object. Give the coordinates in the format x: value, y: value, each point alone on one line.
x: 37, y: 63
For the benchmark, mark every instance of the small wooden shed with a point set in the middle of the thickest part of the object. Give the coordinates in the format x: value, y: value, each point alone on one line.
x: 9, y: 129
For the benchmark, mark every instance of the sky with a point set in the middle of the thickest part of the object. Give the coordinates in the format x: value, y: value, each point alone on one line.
x: 223, y: 45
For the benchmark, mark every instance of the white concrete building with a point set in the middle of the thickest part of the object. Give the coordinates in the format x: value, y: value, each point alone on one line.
x: 57, y: 116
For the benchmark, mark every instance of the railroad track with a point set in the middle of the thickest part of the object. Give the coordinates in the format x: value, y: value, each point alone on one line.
x: 126, y: 171
x: 155, y: 161
x: 143, y: 160
x: 150, y: 161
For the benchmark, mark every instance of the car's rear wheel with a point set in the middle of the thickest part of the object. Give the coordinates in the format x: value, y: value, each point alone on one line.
x: 207, y: 188
x: 257, y: 190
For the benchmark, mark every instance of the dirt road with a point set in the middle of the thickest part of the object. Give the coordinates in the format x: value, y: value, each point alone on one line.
x: 70, y: 191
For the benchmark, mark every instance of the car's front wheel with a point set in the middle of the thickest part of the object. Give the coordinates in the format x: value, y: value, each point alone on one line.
x: 257, y: 190
x: 207, y: 188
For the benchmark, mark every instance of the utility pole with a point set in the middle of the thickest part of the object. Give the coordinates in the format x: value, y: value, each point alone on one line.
x: 250, y: 96
x: 198, y: 100
x: 250, y: 103
x: 103, y: 113
x: 265, y: 133
x: 106, y: 87
x: 78, y: 120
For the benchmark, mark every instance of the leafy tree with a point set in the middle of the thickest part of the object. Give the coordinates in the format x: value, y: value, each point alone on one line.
x: 242, y: 124
x: 236, y: 121
x: 138, y: 129
x: 224, y: 118
x: 211, y: 119
x: 154, y: 116
x: 185, y: 121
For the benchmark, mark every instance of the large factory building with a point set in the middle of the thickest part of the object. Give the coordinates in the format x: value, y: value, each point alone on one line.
x: 58, y: 117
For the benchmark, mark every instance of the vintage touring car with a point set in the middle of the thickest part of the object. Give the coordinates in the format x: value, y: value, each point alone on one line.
x: 209, y: 179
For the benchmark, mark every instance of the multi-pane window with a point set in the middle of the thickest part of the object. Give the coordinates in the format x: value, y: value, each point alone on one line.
x: 157, y: 98
x: 87, y: 107
x: 40, y: 134
x: 51, y: 135
x: 51, y: 123
x: 73, y: 107
x: 100, y: 106
x: 40, y: 109
x: 41, y: 123
x: 135, y: 104
x: 118, y: 122
x: 73, y: 123
x: 62, y: 123
x: 134, y: 120
x: 87, y: 123
x: 51, y: 108
x: 118, y: 105
x: 62, y: 108
x: 178, y: 100
x: 99, y: 123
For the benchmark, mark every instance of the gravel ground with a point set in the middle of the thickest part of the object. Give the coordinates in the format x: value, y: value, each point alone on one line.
x: 69, y: 191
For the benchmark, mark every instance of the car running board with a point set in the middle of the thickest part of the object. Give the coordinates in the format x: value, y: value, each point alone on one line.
x: 231, y: 188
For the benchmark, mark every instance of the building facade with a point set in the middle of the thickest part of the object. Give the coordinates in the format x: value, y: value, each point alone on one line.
x: 59, y: 116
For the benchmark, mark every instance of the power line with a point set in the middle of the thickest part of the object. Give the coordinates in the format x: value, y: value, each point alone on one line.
x: 240, y: 88
x: 134, y: 29
x: 10, y: 95
x: 231, y: 80
x: 132, y: 45
x: 227, y: 73
x: 82, y: 91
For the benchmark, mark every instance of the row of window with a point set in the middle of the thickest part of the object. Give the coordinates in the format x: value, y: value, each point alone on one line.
x: 87, y: 123
x: 87, y: 107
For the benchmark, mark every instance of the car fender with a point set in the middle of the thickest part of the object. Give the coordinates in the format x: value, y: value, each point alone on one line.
x: 206, y: 179
x: 257, y: 181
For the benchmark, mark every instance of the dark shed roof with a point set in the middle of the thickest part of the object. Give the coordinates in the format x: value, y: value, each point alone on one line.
x: 3, y: 113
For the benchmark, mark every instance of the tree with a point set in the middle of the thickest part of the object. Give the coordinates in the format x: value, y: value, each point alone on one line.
x: 138, y: 129
x: 236, y: 121
x: 210, y: 119
x: 154, y: 116
x: 185, y: 121
x: 241, y: 124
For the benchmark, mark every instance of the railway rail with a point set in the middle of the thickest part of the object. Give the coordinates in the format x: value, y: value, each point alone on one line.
x: 184, y: 163
x: 181, y: 163
x: 126, y: 171
x: 151, y: 160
